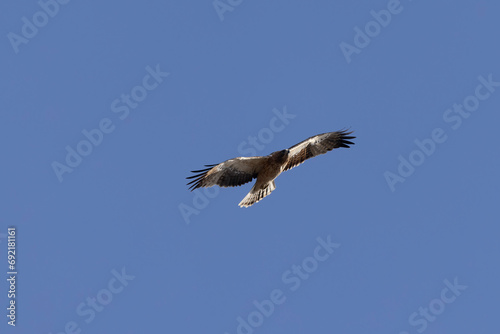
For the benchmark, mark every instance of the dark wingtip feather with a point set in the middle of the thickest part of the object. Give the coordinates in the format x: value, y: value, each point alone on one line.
x: 345, y: 138
x: 201, y: 170
x: 198, y: 177
x: 195, y: 183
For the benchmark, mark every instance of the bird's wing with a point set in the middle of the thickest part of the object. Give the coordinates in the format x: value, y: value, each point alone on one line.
x: 230, y: 173
x: 316, y: 145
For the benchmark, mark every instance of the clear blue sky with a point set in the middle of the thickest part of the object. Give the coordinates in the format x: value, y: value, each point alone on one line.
x: 107, y: 107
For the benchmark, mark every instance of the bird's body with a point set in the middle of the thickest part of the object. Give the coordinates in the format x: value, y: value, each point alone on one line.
x: 266, y: 169
x: 273, y: 167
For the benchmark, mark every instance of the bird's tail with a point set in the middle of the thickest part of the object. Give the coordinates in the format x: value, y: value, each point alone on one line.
x: 257, y: 193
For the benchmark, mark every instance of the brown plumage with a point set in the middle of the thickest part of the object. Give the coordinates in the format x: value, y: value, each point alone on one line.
x: 265, y: 169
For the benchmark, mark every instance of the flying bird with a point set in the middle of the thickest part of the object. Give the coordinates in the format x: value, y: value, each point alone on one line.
x: 265, y: 169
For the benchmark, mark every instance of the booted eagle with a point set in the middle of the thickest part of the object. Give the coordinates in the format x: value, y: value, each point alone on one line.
x: 238, y: 171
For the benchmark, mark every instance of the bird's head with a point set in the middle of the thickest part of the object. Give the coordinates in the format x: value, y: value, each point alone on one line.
x: 280, y: 155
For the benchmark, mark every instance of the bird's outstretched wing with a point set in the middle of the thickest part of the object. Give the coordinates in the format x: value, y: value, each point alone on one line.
x: 230, y: 173
x: 316, y: 145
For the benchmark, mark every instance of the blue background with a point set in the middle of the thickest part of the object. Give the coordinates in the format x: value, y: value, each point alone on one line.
x: 121, y: 207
